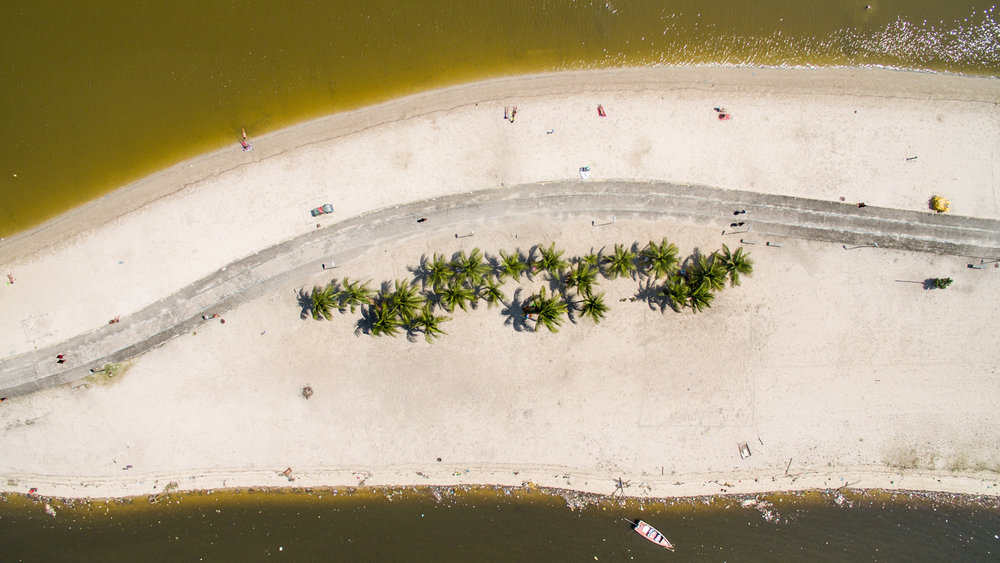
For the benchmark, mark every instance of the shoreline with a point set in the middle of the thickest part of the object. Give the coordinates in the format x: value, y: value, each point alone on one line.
x: 816, y: 355
x: 166, y: 182
x: 642, y: 488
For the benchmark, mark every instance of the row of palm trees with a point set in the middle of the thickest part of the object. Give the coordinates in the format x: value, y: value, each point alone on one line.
x: 467, y: 278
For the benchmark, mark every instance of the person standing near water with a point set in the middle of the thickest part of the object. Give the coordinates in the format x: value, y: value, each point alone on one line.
x: 247, y: 145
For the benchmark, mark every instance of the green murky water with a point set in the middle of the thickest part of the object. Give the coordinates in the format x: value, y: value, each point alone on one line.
x: 497, y: 526
x: 96, y: 93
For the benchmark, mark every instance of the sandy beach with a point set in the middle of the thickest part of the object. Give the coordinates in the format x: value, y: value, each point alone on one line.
x: 836, y: 367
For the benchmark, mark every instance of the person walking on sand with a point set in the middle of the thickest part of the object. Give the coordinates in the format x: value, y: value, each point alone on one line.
x: 247, y: 145
x: 10, y: 279
x: 513, y: 114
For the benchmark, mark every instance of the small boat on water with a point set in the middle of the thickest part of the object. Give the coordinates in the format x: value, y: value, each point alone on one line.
x: 652, y: 534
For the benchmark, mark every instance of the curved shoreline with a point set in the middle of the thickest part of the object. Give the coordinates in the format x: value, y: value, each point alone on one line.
x: 868, y: 372
x: 903, y: 83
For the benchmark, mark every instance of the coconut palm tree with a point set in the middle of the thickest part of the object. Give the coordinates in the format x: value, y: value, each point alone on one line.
x: 677, y: 292
x: 429, y: 323
x: 548, y: 311
x: 593, y: 306
x: 736, y: 263
x: 385, y: 321
x: 660, y: 259
x: 354, y: 294
x: 700, y: 297
x: 491, y: 293
x: 324, y: 300
x: 551, y: 260
x: 511, y: 265
x: 456, y: 294
x: 404, y: 300
x: 436, y: 271
x: 470, y: 267
x: 707, y: 272
x: 592, y: 258
x: 620, y: 264
x: 582, y: 276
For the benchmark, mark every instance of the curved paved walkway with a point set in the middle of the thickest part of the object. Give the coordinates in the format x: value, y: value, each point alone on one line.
x: 283, y: 264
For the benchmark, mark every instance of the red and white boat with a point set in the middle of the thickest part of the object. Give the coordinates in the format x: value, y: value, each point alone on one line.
x: 652, y: 534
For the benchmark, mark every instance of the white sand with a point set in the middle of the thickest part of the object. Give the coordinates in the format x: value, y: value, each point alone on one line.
x: 821, y: 357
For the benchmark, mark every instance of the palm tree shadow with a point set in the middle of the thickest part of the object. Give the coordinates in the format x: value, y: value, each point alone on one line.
x: 496, y: 268
x: 365, y: 323
x: 557, y: 283
x: 652, y: 294
x: 514, y: 312
x: 639, y: 265
x: 529, y: 263
x: 433, y: 299
x: 412, y: 333
x: 572, y: 308
x: 421, y: 272
x: 684, y: 266
x: 305, y: 303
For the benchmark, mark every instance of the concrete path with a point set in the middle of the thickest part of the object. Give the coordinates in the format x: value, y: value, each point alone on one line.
x: 768, y: 217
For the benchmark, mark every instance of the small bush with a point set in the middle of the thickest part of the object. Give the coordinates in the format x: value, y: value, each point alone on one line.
x: 108, y: 374
x: 941, y: 283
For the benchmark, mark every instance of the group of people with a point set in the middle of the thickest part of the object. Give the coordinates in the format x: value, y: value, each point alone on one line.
x: 509, y: 114
x: 738, y: 223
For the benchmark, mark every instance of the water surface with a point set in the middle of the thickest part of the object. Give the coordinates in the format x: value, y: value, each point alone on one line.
x: 483, y: 525
x: 99, y: 93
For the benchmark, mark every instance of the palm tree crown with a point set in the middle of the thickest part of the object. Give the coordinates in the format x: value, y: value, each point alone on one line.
x: 660, y: 259
x: 593, y: 306
x: 429, y: 323
x: 708, y: 272
x: 548, y: 311
x: 354, y: 294
x: 736, y: 263
x: 437, y: 271
x: 491, y: 293
x: 404, y: 300
x: 385, y: 321
x: 677, y: 291
x: 511, y: 265
x: 582, y: 276
x: 700, y: 297
x: 470, y: 268
x: 551, y: 260
x: 456, y: 294
x: 323, y: 301
x: 621, y: 263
